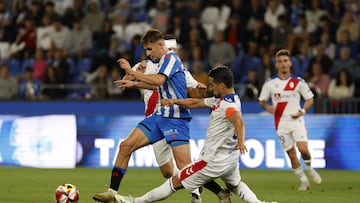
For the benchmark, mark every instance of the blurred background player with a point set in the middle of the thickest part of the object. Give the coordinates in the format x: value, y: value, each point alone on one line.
x: 285, y: 91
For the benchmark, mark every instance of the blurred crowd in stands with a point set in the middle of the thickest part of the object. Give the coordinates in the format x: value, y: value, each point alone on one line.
x: 67, y: 49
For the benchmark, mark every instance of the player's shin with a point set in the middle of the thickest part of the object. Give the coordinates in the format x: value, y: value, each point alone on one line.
x: 116, y: 176
x: 245, y: 193
x: 159, y: 193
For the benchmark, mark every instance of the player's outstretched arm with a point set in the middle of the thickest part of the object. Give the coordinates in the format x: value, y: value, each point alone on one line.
x: 137, y: 84
x: 152, y: 79
x: 190, y: 103
x: 235, y: 117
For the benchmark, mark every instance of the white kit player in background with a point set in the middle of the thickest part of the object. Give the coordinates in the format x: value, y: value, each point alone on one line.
x: 285, y: 91
x: 224, y: 142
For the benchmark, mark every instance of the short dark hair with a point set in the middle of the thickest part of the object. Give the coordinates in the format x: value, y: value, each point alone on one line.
x: 152, y: 36
x: 222, y: 74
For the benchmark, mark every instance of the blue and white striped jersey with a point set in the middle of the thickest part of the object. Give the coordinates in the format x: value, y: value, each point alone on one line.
x: 174, y: 87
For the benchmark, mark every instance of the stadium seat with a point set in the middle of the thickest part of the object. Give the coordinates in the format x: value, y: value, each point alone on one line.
x: 14, y: 66
x: 25, y: 63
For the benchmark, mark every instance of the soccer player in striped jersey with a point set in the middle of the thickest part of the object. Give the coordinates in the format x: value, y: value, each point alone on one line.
x: 224, y: 143
x: 171, y: 124
x: 285, y: 91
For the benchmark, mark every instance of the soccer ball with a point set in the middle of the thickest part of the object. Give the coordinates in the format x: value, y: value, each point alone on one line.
x: 67, y: 193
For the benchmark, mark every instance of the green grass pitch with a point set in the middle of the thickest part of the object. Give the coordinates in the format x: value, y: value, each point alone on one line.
x: 29, y: 185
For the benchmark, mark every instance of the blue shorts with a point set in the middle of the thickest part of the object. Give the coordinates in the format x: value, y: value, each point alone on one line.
x: 174, y: 130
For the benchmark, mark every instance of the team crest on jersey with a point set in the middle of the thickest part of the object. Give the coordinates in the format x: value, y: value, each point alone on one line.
x: 277, y: 96
x: 292, y: 83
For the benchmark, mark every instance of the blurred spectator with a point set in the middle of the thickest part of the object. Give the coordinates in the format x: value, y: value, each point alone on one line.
x: 242, y: 9
x: 137, y: 48
x: 64, y: 73
x: 94, y: 16
x: 235, y: 33
x: 59, y: 34
x: 99, y: 81
x: 49, y: 9
x: 39, y: 65
x: 159, y: 16
x: 137, y: 10
x: 317, y: 80
x: 281, y: 35
x: 8, y: 84
x: 314, y: 13
x: 80, y: 39
x: 76, y: 11
x: 257, y: 9
x: 121, y: 12
x: 261, y: 33
x: 43, y: 39
x: 102, y: 42
x: 29, y: 87
x: 51, y: 84
x: 197, y: 54
x: 195, y: 39
x: 177, y: 28
x: 303, y: 30
x: 345, y: 41
x: 324, y: 27
x: 194, y: 24
x: 328, y: 45
x: 335, y: 11
x: 267, y: 69
x: 220, y: 51
x: 5, y: 21
x: 274, y: 9
x: 344, y: 60
x: 250, y: 86
x: 19, y: 13
x: 35, y: 12
x: 114, y: 91
x: 342, y: 86
x: 27, y: 36
x: 295, y: 8
x: 348, y: 23
x: 319, y: 56
x: 200, y: 75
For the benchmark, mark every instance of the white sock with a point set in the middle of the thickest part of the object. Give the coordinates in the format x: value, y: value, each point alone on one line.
x: 245, y: 193
x: 159, y: 193
x: 301, y: 174
x: 176, y: 171
x: 196, y: 191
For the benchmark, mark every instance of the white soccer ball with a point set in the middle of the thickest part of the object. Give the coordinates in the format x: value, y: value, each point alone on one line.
x: 67, y: 193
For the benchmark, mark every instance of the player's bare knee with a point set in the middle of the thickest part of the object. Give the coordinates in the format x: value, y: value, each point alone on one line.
x: 125, y: 148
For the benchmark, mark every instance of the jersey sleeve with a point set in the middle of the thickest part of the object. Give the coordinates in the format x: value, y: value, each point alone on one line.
x: 190, y: 81
x: 265, y: 93
x: 166, y: 67
x: 135, y: 66
x: 210, y: 101
x: 305, y: 91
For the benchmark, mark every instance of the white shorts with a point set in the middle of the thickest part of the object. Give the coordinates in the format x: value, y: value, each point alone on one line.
x: 200, y: 172
x: 291, y: 132
x: 163, y: 152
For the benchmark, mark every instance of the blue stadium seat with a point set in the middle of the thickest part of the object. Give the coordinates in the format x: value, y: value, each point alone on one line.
x: 14, y: 66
